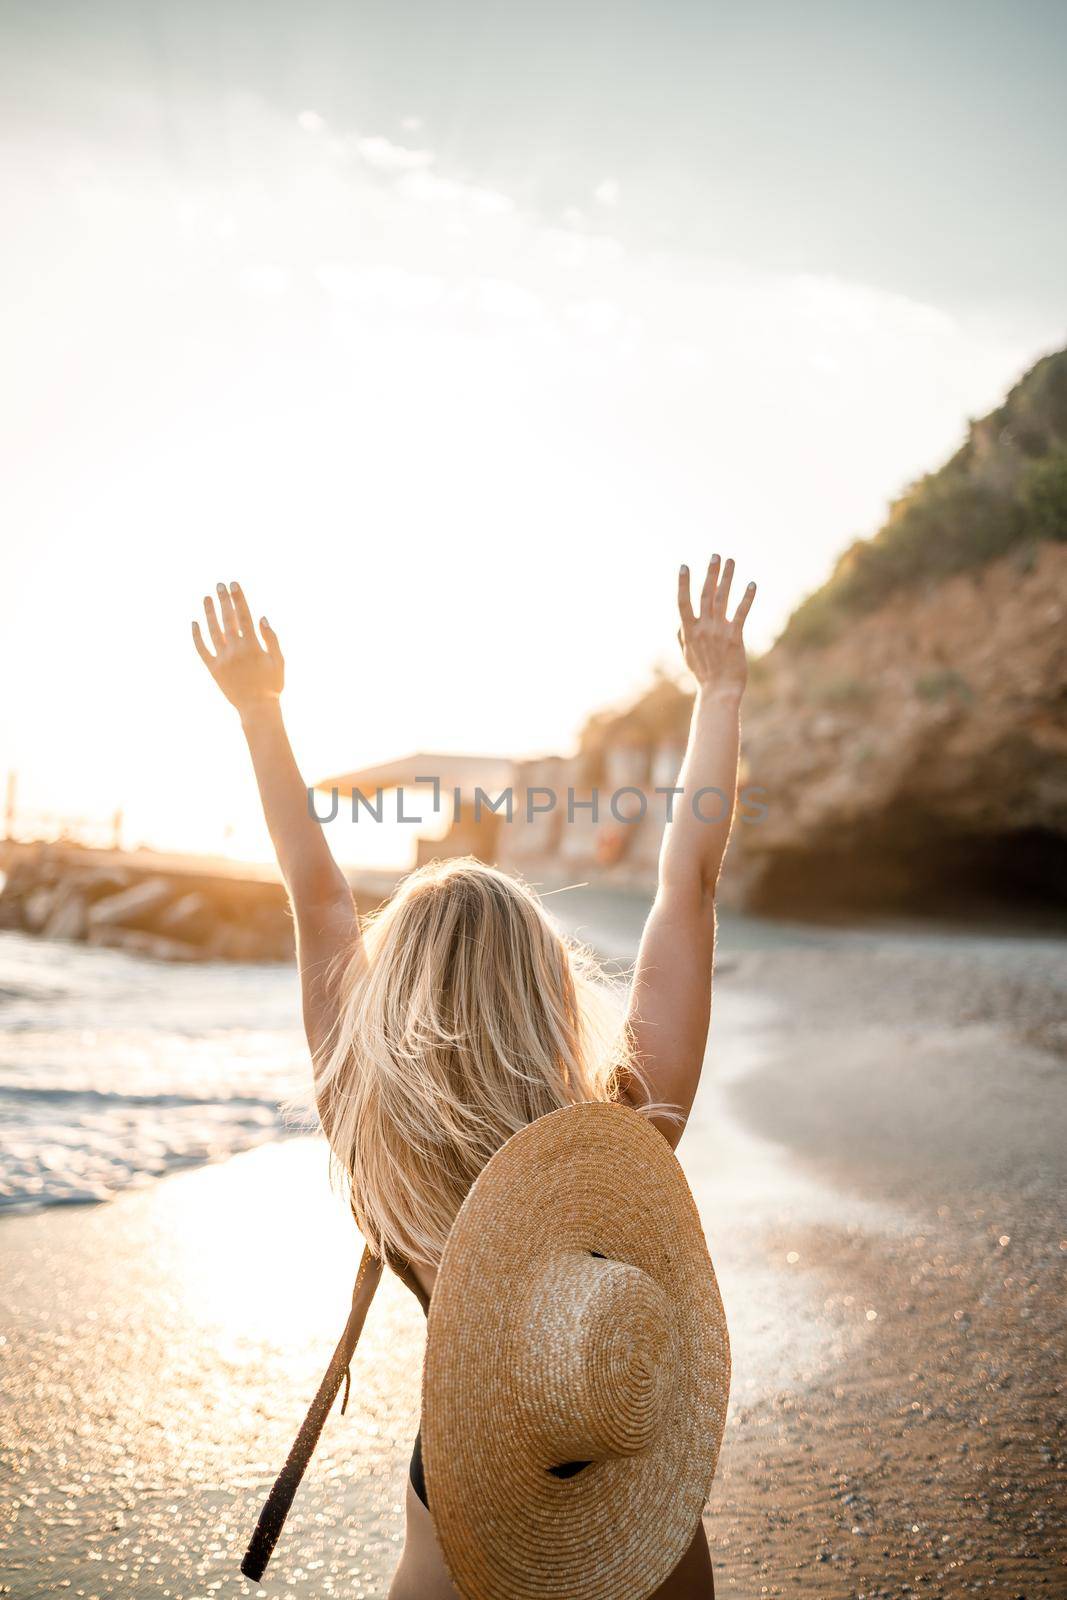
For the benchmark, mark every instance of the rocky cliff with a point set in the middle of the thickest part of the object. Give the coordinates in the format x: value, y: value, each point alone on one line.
x: 921, y: 754
x: 910, y: 726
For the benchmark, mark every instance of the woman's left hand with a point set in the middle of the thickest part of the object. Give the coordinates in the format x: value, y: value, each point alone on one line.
x: 712, y: 643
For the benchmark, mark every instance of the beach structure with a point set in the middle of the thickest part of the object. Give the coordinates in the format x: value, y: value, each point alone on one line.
x: 595, y: 812
x: 460, y: 793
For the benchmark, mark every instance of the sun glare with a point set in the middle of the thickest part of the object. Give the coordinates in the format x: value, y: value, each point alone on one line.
x: 454, y: 446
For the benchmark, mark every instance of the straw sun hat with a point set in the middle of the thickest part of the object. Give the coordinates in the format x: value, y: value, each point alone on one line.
x: 575, y: 1319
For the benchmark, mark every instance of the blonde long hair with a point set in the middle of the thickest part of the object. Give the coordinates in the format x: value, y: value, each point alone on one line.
x: 466, y: 1016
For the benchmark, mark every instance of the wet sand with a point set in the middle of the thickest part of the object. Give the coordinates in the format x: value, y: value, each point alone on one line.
x: 925, y: 1453
x: 876, y: 1155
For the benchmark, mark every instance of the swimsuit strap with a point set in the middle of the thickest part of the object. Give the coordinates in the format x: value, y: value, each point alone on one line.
x: 272, y: 1517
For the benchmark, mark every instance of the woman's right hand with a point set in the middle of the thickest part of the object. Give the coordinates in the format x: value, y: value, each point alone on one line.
x: 248, y: 673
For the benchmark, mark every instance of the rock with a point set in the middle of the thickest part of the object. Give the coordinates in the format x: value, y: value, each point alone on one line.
x: 95, y: 883
x: 37, y: 908
x: 194, y: 911
x: 187, y: 917
x: 136, y: 907
x: 67, y: 919
x: 915, y: 784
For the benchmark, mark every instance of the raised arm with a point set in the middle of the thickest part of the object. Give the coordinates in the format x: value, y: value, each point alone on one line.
x: 251, y: 675
x: 670, y: 1003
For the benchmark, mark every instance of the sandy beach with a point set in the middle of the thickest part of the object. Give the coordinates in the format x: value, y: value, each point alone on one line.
x: 876, y: 1152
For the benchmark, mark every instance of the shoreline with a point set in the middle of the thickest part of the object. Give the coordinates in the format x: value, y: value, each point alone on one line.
x: 160, y: 1350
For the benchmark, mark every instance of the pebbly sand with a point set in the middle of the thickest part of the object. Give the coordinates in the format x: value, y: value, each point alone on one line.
x: 876, y: 1152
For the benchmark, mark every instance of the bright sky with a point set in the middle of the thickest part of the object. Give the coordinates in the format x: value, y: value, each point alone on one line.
x: 450, y: 329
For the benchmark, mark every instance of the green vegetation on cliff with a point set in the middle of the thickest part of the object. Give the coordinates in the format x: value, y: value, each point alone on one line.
x: 1007, y: 486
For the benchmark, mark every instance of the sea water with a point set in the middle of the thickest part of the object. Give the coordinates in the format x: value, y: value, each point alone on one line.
x: 115, y: 1070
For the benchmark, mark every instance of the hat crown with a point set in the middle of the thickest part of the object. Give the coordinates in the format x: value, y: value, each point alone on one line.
x: 596, y: 1358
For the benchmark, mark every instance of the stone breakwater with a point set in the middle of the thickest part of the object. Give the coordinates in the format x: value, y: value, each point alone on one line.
x: 165, y: 907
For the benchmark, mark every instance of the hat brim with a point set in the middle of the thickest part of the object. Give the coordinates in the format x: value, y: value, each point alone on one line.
x: 595, y: 1177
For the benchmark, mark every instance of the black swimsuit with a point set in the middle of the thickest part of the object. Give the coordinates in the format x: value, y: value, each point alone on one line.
x: 415, y: 1472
